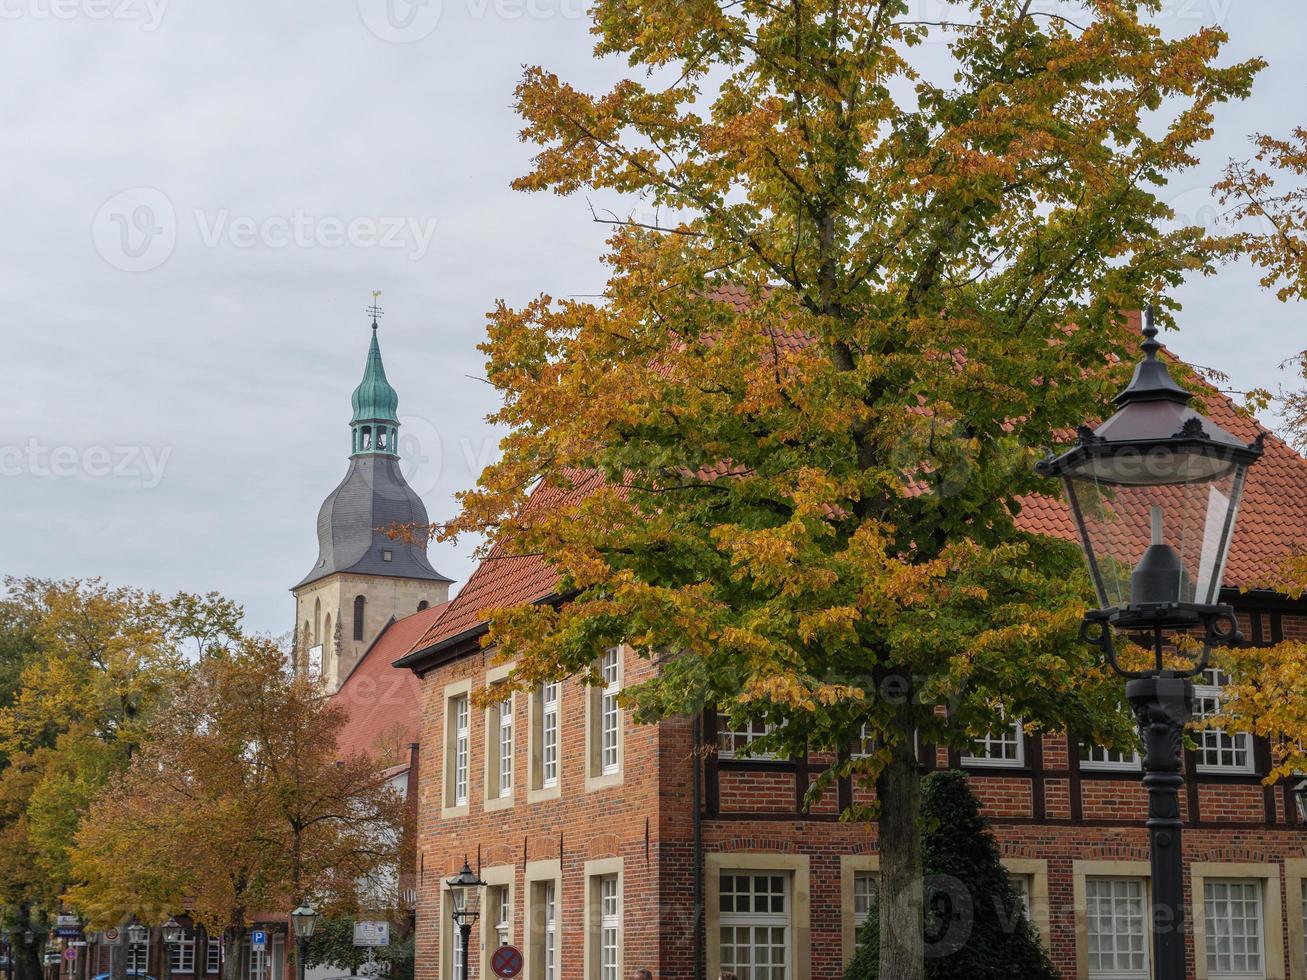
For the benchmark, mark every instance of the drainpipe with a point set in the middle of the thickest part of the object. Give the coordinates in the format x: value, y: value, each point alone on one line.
x: 697, y: 803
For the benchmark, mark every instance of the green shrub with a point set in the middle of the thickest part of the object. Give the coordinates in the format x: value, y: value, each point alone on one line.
x: 975, y: 923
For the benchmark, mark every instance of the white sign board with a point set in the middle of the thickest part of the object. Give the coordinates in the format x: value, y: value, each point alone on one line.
x: 371, y: 933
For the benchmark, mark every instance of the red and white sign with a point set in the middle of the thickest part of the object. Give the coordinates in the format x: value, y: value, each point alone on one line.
x: 111, y: 935
x: 507, y: 962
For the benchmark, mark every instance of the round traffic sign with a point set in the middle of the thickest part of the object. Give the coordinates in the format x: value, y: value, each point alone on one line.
x: 507, y: 962
x: 111, y: 935
x: 70, y: 953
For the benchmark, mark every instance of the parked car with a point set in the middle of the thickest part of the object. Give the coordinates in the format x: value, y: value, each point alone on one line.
x: 131, y: 973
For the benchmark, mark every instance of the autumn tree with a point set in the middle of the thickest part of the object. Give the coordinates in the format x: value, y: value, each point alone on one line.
x: 84, y: 667
x: 1267, y: 695
x: 240, y: 803
x: 1268, y: 199
x: 862, y: 267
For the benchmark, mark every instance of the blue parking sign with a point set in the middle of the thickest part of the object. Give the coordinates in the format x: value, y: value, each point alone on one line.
x: 258, y: 940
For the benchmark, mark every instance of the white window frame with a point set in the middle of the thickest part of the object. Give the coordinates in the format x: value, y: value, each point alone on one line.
x: 1207, y: 704
x: 865, y: 886
x: 501, y: 905
x: 610, y: 713
x: 984, y: 746
x: 1094, y: 758
x: 504, y: 768
x: 754, y: 920
x: 213, y: 956
x: 1144, y: 972
x: 733, y: 743
x: 181, y: 956
x: 610, y: 927
x: 549, y: 733
x: 462, y: 755
x: 549, y: 928
x: 1214, y: 931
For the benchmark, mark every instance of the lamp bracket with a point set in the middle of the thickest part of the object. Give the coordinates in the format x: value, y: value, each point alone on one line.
x: 1148, y: 625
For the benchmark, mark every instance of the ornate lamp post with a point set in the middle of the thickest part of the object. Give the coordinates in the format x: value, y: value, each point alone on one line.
x: 305, y: 920
x: 173, y: 934
x: 137, y: 934
x: 459, y: 886
x: 1155, y: 493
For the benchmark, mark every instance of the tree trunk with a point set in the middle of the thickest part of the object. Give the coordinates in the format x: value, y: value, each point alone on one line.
x: 27, y: 961
x: 898, y: 789
x: 231, y: 949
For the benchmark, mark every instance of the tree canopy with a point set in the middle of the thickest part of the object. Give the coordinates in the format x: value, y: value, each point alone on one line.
x: 876, y: 265
x: 246, y: 770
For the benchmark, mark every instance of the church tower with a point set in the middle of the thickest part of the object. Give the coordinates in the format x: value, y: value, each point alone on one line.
x: 363, y: 578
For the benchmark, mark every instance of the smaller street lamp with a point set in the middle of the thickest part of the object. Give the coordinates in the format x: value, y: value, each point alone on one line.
x: 305, y: 920
x: 173, y: 932
x: 137, y: 934
x: 459, y: 886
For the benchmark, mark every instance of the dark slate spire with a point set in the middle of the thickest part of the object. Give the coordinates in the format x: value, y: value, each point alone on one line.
x: 374, y: 496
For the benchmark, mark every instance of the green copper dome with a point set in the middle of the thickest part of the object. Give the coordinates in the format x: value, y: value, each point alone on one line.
x: 374, y: 399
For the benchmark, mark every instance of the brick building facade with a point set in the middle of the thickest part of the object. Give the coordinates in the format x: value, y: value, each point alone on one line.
x: 601, y: 840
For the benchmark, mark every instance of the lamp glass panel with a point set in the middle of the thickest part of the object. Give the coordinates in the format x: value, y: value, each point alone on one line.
x: 1195, y: 518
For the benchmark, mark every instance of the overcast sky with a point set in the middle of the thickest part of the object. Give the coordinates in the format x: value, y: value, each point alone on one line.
x: 200, y: 196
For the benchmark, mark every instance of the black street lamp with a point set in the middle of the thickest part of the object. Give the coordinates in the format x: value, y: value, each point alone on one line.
x: 459, y: 886
x: 305, y: 920
x: 173, y: 934
x: 1155, y: 493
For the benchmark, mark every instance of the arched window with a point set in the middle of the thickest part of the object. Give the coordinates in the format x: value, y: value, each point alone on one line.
x: 360, y: 604
x: 423, y: 605
x: 367, y: 437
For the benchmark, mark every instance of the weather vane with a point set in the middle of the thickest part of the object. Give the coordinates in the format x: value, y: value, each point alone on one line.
x: 374, y: 310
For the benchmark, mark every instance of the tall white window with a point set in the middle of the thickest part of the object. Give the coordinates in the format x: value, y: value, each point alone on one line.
x: 754, y: 926
x: 1096, y: 757
x: 181, y: 956
x: 610, y: 926
x: 258, y: 964
x: 213, y: 957
x: 1235, y: 937
x: 1116, y: 928
x: 734, y: 743
x: 1004, y: 748
x: 455, y: 949
x: 865, y: 884
x: 505, y: 713
x: 1021, y: 885
x: 549, y: 734
x: 1303, y: 885
x: 461, y: 739
x: 1217, y: 751
x: 609, y: 713
x: 499, y: 909
x: 549, y: 905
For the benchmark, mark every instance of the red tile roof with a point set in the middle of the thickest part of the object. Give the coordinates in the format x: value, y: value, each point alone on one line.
x: 1272, y: 519
x: 383, y: 706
